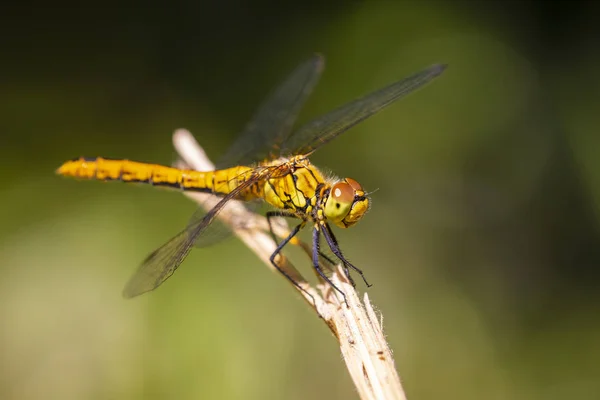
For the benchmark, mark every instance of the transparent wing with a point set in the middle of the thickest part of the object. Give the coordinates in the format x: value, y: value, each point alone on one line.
x: 272, y: 123
x: 218, y: 231
x: 163, y: 262
x: 321, y: 130
x: 213, y: 234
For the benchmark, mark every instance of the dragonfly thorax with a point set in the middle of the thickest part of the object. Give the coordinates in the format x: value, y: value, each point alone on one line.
x: 346, y: 203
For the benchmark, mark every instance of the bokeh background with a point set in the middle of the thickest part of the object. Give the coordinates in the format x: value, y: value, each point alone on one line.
x: 482, y: 241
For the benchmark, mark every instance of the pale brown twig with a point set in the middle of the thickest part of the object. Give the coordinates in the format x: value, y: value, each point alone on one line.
x: 356, y: 326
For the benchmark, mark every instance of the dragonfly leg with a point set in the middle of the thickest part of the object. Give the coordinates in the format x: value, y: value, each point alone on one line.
x: 335, y: 248
x: 287, y: 214
x: 280, y: 247
x: 316, y: 252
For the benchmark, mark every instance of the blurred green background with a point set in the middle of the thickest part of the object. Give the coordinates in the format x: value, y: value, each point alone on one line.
x: 482, y: 240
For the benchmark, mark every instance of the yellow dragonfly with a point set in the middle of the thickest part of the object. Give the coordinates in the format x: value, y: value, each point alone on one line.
x: 268, y: 161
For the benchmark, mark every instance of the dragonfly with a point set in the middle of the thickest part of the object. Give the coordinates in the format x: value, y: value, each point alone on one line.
x: 269, y: 161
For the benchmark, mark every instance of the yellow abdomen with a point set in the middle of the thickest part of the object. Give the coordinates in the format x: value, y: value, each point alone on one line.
x: 218, y: 182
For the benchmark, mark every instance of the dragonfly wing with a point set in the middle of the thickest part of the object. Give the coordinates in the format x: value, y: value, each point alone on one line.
x: 321, y: 130
x: 274, y: 119
x: 159, y: 265
x: 217, y: 231
x: 163, y: 262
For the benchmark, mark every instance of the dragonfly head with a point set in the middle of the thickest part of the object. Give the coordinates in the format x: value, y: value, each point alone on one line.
x: 346, y: 203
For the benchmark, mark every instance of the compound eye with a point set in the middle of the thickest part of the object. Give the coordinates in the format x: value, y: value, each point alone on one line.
x: 343, y: 193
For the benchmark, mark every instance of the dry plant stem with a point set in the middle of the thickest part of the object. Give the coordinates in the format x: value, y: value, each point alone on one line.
x: 357, y: 328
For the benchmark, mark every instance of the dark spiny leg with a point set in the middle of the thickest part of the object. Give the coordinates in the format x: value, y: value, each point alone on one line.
x: 328, y: 236
x: 287, y: 214
x: 329, y: 260
x: 316, y: 245
x: 280, y: 246
x: 335, y: 248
